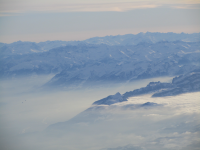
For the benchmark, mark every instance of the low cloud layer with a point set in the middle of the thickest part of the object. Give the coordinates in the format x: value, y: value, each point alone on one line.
x: 173, y: 124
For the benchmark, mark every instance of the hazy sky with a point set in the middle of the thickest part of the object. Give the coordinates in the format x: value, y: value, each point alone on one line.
x: 42, y: 20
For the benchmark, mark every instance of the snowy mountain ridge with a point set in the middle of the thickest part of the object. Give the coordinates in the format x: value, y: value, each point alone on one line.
x: 100, y: 109
x: 105, y: 63
x: 21, y: 48
x: 81, y: 63
x: 148, y: 37
x: 180, y: 84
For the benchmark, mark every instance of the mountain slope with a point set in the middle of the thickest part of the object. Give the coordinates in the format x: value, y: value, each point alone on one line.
x: 82, y: 64
x: 104, y: 64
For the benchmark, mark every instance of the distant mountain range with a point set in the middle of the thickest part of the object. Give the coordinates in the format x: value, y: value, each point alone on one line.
x: 107, y: 59
x: 128, y: 39
x: 148, y: 37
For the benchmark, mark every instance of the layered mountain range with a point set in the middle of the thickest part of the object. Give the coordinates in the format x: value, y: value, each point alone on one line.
x: 103, y: 59
x: 128, y: 39
x: 137, y: 114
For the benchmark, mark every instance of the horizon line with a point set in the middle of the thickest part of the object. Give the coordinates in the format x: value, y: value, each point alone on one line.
x: 100, y: 37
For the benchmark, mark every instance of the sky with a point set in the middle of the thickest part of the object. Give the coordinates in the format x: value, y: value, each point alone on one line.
x: 42, y: 20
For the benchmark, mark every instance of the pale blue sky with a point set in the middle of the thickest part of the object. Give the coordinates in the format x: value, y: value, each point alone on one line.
x: 42, y: 20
